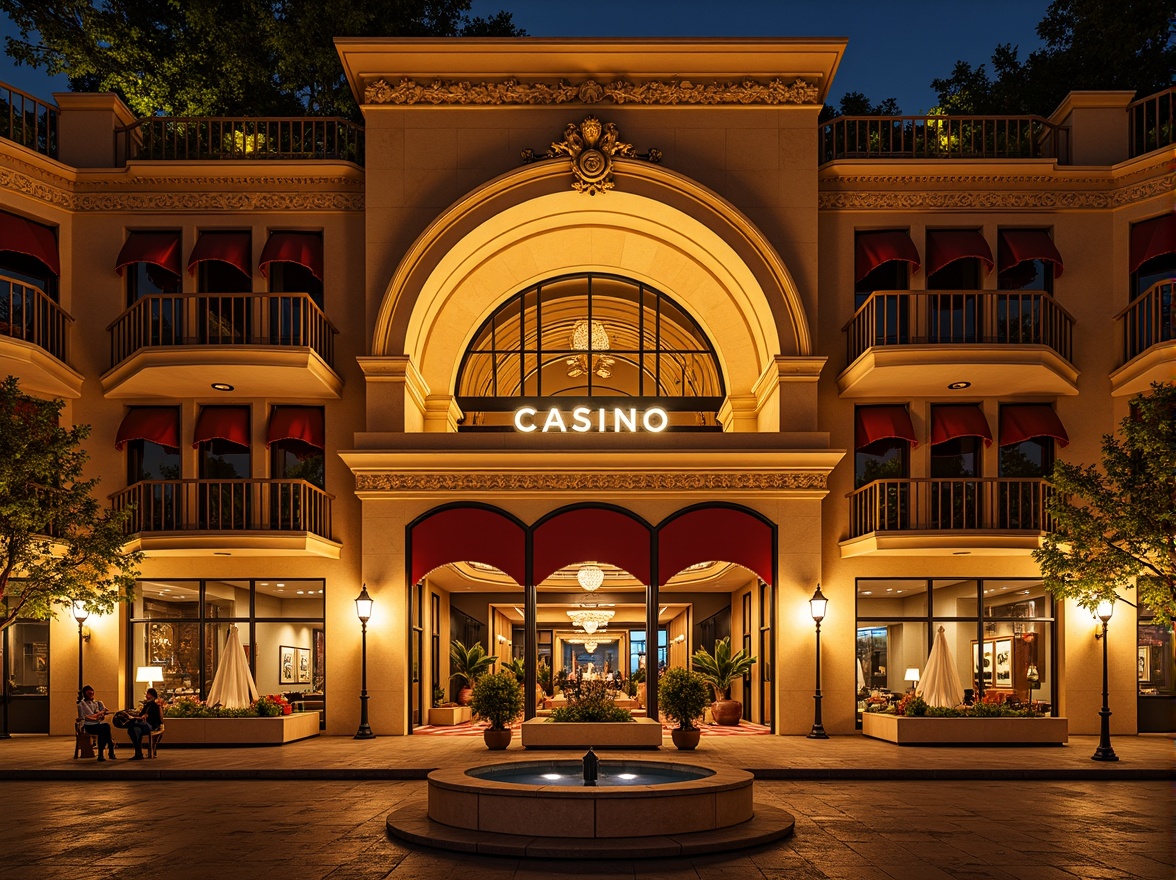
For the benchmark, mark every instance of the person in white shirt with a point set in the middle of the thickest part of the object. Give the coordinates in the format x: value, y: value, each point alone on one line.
x: 92, y: 713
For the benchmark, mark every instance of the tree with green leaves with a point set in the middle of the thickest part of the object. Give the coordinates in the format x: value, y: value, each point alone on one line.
x: 224, y: 57
x: 1089, y: 44
x: 57, y: 543
x: 1115, y: 526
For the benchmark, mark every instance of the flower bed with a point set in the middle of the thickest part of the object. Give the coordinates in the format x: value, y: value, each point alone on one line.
x: 639, y: 733
x: 973, y: 730
x: 232, y: 731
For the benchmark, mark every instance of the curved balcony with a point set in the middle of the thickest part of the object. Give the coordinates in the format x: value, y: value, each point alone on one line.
x: 999, y: 341
x: 1148, y: 328
x: 262, y: 344
x: 34, y: 340
x: 993, y: 516
x: 228, y: 517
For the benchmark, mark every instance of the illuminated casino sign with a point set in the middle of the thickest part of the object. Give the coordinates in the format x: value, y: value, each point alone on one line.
x: 583, y: 420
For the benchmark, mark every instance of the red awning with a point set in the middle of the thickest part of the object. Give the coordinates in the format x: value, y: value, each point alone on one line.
x: 945, y: 246
x: 872, y: 249
x: 227, y: 247
x: 602, y: 534
x: 229, y: 423
x: 1152, y: 238
x: 468, y: 534
x: 158, y: 248
x: 950, y: 422
x: 881, y: 422
x: 706, y: 534
x: 1016, y: 246
x: 158, y: 424
x: 22, y: 236
x: 1023, y: 421
x: 301, y: 423
x: 303, y: 248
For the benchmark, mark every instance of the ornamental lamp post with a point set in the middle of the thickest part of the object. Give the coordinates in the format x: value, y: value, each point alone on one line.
x: 1104, y: 752
x: 817, y: 605
x: 81, y: 614
x: 363, y: 610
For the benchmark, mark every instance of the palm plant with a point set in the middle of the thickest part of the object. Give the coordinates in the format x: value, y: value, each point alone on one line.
x: 722, y: 667
x: 469, y: 663
x: 518, y: 667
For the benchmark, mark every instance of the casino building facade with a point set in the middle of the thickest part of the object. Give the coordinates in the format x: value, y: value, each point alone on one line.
x: 594, y: 352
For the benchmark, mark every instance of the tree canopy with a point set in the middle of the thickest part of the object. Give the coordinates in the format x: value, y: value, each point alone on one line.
x: 1089, y: 44
x: 223, y: 57
x: 1115, y: 527
x: 57, y: 542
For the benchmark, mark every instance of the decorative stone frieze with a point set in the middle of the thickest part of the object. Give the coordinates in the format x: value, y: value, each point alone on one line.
x: 589, y: 482
x: 408, y: 92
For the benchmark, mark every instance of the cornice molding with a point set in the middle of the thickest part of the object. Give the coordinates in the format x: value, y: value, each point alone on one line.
x: 903, y: 194
x: 556, y: 481
x: 409, y: 92
x: 143, y: 193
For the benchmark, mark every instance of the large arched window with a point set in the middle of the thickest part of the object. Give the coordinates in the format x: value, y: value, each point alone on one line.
x: 590, y: 335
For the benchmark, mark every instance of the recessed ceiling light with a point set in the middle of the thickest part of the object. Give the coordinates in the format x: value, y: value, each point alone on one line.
x: 959, y: 386
x: 221, y: 386
x: 867, y: 592
x: 279, y: 585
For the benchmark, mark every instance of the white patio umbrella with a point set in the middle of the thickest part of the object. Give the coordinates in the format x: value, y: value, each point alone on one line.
x: 940, y: 685
x: 233, y: 686
x: 861, y: 675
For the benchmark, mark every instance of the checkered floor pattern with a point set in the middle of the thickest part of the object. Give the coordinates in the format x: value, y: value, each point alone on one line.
x: 469, y: 728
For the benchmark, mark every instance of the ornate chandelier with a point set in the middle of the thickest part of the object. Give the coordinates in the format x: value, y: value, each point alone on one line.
x: 601, y: 364
x: 590, y: 619
x: 590, y: 577
x: 589, y: 644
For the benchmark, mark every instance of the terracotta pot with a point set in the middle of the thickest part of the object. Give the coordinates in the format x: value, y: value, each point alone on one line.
x: 727, y: 712
x: 497, y: 740
x: 685, y: 739
x: 463, y: 696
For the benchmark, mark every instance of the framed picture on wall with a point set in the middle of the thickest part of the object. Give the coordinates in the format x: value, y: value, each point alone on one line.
x: 1003, y: 662
x: 1145, y: 663
x: 303, y: 657
x: 287, y: 670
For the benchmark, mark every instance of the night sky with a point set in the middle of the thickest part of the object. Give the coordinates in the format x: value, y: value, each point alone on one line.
x: 895, y: 48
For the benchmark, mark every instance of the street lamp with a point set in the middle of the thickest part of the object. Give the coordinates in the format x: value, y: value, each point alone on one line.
x: 80, y: 615
x: 817, y: 605
x: 1104, y: 752
x: 363, y: 610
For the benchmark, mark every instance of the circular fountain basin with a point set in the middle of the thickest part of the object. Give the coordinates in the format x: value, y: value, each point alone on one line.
x: 631, y: 799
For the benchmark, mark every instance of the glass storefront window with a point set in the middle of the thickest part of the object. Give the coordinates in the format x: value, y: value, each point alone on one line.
x: 892, y: 598
x: 167, y: 599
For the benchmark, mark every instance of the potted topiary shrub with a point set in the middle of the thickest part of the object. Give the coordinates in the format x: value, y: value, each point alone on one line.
x: 497, y: 698
x: 468, y: 664
x: 682, y: 697
x: 720, y: 669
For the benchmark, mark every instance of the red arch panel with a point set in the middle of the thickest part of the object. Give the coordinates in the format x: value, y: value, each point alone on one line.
x: 715, y: 534
x: 595, y: 533
x: 469, y: 534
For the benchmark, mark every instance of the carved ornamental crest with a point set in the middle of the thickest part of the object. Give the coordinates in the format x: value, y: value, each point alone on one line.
x: 591, y: 146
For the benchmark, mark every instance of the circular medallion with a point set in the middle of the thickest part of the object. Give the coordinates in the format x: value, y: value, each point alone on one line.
x: 593, y: 165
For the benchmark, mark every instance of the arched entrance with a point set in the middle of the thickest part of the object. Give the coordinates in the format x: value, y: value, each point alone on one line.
x: 649, y: 582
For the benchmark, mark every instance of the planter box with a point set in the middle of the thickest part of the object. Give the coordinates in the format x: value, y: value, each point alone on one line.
x: 446, y: 716
x: 640, y: 733
x: 965, y: 731
x: 240, y: 731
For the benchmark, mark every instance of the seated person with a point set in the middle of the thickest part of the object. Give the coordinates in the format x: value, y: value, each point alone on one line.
x: 92, y: 715
x: 148, y: 718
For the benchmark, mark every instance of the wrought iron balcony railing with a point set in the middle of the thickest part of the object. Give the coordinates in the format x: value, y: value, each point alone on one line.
x: 950, y: 505
x: 958, y: 317
x: 225, y: 506
x: 28, y: 121
x: 942, y: 137
x: 1149, y: 320
x: 222, y: 319
x: 28, y: 313
x: 164, y: 138
x: 1152, y: 122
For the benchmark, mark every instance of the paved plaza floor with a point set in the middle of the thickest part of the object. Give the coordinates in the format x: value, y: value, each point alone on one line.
x: 317, y: 809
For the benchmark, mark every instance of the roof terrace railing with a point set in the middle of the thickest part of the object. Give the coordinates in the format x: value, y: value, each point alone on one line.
x: 168, y: 138
x: 1152, y: 125
x: 28, y: 121
x: 942, y: 137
